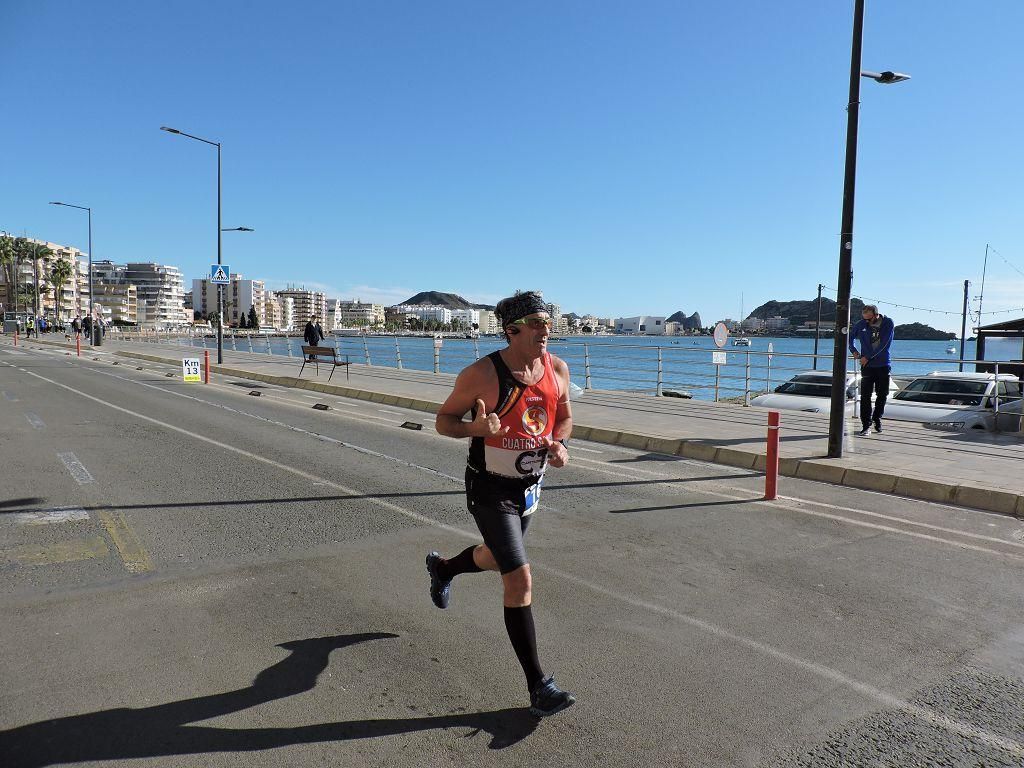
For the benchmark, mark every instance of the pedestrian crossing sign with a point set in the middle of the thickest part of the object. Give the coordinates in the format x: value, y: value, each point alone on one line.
x: 220, y: 274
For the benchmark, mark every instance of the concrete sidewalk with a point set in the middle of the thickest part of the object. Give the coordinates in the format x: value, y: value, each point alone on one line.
x: 978, y: 470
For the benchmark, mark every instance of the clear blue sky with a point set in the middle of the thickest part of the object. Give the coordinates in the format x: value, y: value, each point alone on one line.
x: 625, y: 157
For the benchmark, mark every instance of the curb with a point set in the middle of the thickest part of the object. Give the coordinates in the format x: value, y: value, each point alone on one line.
x: 830, y: 471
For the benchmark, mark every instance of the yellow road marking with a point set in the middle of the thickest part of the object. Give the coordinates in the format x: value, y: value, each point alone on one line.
x: 129, y: 547
x: 60, y: 552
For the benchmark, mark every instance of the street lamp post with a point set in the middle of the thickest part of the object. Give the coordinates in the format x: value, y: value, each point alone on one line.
x: 220, y: 288
x: 837, y: 413
x: 94, y: 331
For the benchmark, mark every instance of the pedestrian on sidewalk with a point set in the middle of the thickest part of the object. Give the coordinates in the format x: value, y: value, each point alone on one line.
x: 313, y: 334
x: 874, y: 334
x: 518, y: 399
x: 76, y: 326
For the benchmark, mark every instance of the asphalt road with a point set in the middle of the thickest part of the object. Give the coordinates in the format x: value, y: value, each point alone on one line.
x: 194, y: 576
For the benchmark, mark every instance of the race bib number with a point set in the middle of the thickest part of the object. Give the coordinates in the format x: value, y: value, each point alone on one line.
x: 531, y: 498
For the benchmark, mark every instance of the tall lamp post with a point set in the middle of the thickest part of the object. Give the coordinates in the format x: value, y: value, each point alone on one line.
x: 220, y: 288
x: 94, y: 330
x: 837, y: 413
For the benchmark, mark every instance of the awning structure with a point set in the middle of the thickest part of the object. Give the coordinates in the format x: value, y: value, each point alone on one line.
x: 1011, y: 329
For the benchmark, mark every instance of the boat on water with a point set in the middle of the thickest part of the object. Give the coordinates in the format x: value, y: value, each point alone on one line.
x: 950, y: 350
x: 742, y: 341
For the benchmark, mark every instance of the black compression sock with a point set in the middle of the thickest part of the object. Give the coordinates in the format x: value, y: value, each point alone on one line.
x: 461, y: 563
x: 519, y: 623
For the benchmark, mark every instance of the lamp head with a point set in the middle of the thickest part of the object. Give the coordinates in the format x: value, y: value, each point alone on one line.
x: 169, y: 130
x: 887, y: 77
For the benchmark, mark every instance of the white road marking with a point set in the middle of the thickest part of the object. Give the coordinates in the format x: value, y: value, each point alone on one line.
x: 51, y: 516
x: 34, y: 420
x: 75, y: 467
x: 393, y: 413
x: 755, y: 497
x: 619, y: 470
x: 820, y: 670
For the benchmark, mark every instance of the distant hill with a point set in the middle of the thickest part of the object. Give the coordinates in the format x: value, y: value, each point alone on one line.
x: 800, y: 312
x: 439, y: 299
x: 921, y: 332
x: 691, y: 323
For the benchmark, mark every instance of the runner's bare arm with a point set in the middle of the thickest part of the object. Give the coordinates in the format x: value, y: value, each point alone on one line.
x: 558, y: 456
x: 563, y: 416
x: 472, y: 388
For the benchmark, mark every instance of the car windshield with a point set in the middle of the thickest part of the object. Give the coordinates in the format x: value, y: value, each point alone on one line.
x: 944, y: 391
x: 813, y: 386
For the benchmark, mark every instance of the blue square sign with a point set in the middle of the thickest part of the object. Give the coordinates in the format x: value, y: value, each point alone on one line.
x: 220, y: 274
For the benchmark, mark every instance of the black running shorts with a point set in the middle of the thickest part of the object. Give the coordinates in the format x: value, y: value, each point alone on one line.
x: 497, y: 506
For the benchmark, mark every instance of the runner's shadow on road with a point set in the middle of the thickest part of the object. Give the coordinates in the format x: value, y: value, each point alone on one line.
x: 165, y: 729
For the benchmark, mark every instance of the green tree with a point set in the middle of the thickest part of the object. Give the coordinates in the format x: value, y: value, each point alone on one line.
x: 241, y: 321
x: 7, y: 265
x: 254, y: 322
x: 60, y: 273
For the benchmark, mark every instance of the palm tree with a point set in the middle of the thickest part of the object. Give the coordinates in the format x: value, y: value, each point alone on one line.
x: 7, y: 262
x: 60, y: 273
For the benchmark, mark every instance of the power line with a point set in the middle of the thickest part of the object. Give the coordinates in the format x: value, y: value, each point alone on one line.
x: 927, y: 309
x: 1006, y: 261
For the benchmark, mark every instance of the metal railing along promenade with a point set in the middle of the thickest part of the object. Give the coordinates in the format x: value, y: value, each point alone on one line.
x: 669, y: 369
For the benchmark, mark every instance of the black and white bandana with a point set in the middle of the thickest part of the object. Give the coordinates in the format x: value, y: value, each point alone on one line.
x: 519, y: 306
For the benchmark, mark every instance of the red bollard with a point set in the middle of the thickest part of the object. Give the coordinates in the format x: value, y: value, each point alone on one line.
x: 206, y: 366
x: 771, y: 462
x: 78, y: 344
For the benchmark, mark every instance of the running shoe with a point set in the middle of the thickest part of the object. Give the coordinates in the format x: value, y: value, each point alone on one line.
x: 547, y: 699
x: 878, y: 426
x: 863, y: 432
x: 440, y: 590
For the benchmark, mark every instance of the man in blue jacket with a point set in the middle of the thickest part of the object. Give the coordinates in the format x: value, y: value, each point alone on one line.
x: 874, y: 335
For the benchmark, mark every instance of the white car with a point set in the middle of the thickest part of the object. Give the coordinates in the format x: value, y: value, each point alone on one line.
x: 811, y: 392
x: 956, y: 401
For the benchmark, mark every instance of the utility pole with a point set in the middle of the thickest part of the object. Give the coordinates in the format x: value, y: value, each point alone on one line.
x: 963, y: 325
x: 981, y: 296
x: 817, y: 328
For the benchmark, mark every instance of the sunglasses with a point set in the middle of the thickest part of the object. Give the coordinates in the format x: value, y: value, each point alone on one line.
x: 534, y: 322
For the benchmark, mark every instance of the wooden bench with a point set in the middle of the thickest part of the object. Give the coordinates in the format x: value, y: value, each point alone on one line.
x: 329, y: 354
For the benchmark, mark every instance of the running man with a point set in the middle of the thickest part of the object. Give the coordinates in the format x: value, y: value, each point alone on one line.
x: 518, y: 398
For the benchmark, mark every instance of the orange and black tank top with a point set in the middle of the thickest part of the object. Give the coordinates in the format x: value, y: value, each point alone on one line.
x: 529, y: 413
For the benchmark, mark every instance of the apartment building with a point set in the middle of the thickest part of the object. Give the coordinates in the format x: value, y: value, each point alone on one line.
x: 305, y: 304
x: 355, y: 314
x: 74, y: 294
x: 116, y: 304
x: 240, y: 296
x: 159, y: 290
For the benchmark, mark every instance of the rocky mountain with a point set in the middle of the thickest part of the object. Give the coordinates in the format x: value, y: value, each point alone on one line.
x: 800, y: 312
x: 921, y: 332
x: 439, y: 299
x: 691, y: 323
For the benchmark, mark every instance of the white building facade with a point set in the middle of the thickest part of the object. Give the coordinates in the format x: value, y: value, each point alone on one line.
x: 643, y: 325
